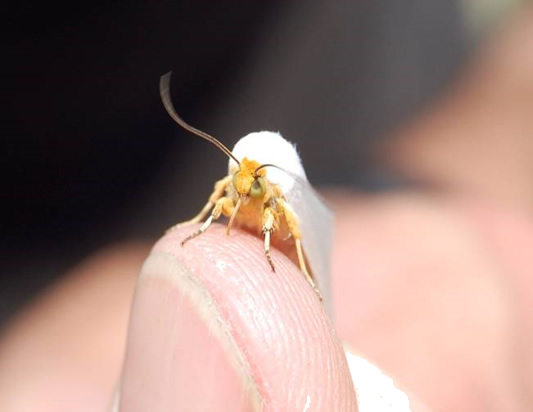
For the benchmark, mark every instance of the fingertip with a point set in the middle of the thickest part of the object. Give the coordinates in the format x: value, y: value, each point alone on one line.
x: 212, y: 323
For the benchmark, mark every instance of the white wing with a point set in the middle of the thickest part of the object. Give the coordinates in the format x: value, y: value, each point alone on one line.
x: 316, y: 225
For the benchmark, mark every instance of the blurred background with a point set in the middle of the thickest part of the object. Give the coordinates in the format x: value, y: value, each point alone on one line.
x: 90, y: 157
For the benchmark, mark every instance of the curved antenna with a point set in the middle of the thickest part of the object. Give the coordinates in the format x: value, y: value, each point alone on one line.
x: 164, y: 91
x: 292, y: 175
x: 269, y: 165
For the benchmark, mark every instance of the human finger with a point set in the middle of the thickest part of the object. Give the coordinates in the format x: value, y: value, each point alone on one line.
x: 214, y: 328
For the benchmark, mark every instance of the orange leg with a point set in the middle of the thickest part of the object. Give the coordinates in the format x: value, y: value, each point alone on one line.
x: 294, y: 229
x: 270, y: 220
x: 223, y: 206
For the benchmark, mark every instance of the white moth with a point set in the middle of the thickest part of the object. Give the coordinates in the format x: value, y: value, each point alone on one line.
x: 267, y: 192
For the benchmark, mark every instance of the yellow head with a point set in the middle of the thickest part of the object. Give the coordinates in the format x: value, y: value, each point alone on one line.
x: 249, y: 179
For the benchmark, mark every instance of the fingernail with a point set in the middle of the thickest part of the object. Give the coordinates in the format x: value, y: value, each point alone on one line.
x: 179, y: 355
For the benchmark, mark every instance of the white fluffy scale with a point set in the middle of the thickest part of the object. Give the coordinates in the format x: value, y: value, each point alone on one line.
x: 314, y: 217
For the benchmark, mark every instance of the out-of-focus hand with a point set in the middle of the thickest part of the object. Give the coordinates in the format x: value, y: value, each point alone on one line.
x: 437, y: 292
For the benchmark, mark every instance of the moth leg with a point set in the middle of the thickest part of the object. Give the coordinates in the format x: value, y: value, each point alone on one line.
x: 270, y: 220
x: 224, y: 206
x: 220, y: 188
x: 294, y: 229
x: 303, y: 267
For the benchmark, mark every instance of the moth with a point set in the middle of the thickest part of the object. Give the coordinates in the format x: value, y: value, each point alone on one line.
x: 267, y: 192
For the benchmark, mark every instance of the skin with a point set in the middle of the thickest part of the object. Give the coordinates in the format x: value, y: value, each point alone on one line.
x: 264, y: 354
x: 433, y: 286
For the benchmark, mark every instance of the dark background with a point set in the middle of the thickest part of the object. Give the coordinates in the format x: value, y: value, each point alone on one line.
x: 89, y: 156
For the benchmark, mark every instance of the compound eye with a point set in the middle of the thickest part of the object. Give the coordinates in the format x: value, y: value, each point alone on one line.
x: 258, y: 188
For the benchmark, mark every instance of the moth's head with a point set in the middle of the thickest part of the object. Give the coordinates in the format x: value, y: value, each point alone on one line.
x: 249, y: 179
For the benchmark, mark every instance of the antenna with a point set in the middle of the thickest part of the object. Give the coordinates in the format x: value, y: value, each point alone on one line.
x: 164, y: 91
x: 269, y: 165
